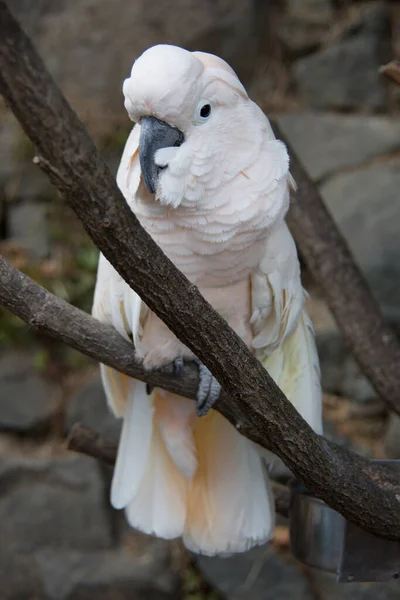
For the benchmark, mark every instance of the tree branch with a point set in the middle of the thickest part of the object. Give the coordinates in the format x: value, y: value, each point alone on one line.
x: 362, y: 492
x: 87, y: 441
x: 58, y: 319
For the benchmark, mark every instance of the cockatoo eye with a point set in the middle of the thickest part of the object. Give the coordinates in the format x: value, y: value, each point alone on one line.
x: 203, y: 112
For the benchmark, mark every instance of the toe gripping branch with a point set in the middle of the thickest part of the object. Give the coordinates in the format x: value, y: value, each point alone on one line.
x: 208, y: 390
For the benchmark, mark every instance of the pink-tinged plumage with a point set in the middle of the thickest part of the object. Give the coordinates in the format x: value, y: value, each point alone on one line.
x: 218, y: 213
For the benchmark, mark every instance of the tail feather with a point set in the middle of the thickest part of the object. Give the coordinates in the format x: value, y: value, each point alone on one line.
x: 146, y: 481
x: 175, y: 417
x: 134, y: 445
x: 230, y: 508
x: 196, y: 478
x: 159, y: 506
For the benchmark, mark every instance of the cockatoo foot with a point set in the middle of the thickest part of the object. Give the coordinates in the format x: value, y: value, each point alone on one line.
x: 207, y: 392
x: 175, y: 368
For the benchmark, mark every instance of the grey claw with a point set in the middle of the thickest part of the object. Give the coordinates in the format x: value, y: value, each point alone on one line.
x: 178, y: 366
x: 207, y: 392
x: 175, y: 368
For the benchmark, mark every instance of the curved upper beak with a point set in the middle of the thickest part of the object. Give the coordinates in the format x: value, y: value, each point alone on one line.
x: 155, y: 134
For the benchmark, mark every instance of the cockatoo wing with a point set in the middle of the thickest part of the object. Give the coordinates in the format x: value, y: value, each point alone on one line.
x: 284, y: 339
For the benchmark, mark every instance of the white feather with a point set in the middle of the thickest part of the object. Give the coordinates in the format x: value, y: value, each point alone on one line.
x: 230, y: 507
x: 295, y: 369
x: 277, y: 293
x: 175, y: 418
x: 159, y: 506
x: 134, y: 445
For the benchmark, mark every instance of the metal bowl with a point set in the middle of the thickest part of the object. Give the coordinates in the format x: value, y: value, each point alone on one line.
x: 322, y: 538
x: 316, y: 532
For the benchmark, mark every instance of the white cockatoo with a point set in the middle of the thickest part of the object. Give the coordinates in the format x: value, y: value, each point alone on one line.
x: 207, y: 179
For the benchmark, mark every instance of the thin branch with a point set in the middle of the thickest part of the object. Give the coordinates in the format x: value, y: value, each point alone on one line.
x: 87, y: 441
x: 374, y: 345
x: 84, y: 440
x: 58, y: 319
x: 367, y: 495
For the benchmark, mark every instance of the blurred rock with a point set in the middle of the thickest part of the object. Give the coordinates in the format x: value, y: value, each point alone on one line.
x: 52, y: 501
x: 315, y: 12
x: 345, y: 74
x: 90, y: 46
x: 326, y: 143
x: 260, y: 574
x: 20, y: 178
x: 392, y: 438
x: 20, y: 577
x: 89, y: 407
x: 108, y: 575
x: 27, y: 226
x: 340, y: 373
x: 366, y: 206
x: 27, y: 399
x: 9, y: 132
x: 304, y: 25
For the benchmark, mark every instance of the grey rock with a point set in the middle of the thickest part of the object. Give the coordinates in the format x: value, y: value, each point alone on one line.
x: 27, y: 399
x: 260, y: 574
x: 392, y: 438
x: 344, y: 75
x: 27, y: 227
x: 299, y: 40
x: 89, y: 407
x: 340, y: 373
x: 57, y: 502
x: 9, y: 133
x: 331, y: 434
x: 366, y: 206
x: 327, y: 143
x: 108, y: 575
x: 304, y: 25
x: 328, y: 589
x: 20, y: 178
x: 20, y: 577
x: 317, y: 12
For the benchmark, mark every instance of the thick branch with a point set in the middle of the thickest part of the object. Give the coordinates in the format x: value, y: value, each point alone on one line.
x: 86, y: 441
x: 374, y: 345
x: 350, y: 484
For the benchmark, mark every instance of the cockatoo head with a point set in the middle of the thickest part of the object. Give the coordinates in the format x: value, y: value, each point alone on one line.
x: 196, y: 130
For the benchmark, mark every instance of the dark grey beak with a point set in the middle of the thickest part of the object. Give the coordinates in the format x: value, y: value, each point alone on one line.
x: 155, y: 134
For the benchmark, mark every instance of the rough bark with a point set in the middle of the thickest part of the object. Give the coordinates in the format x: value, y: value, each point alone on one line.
x: 352, y: 485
